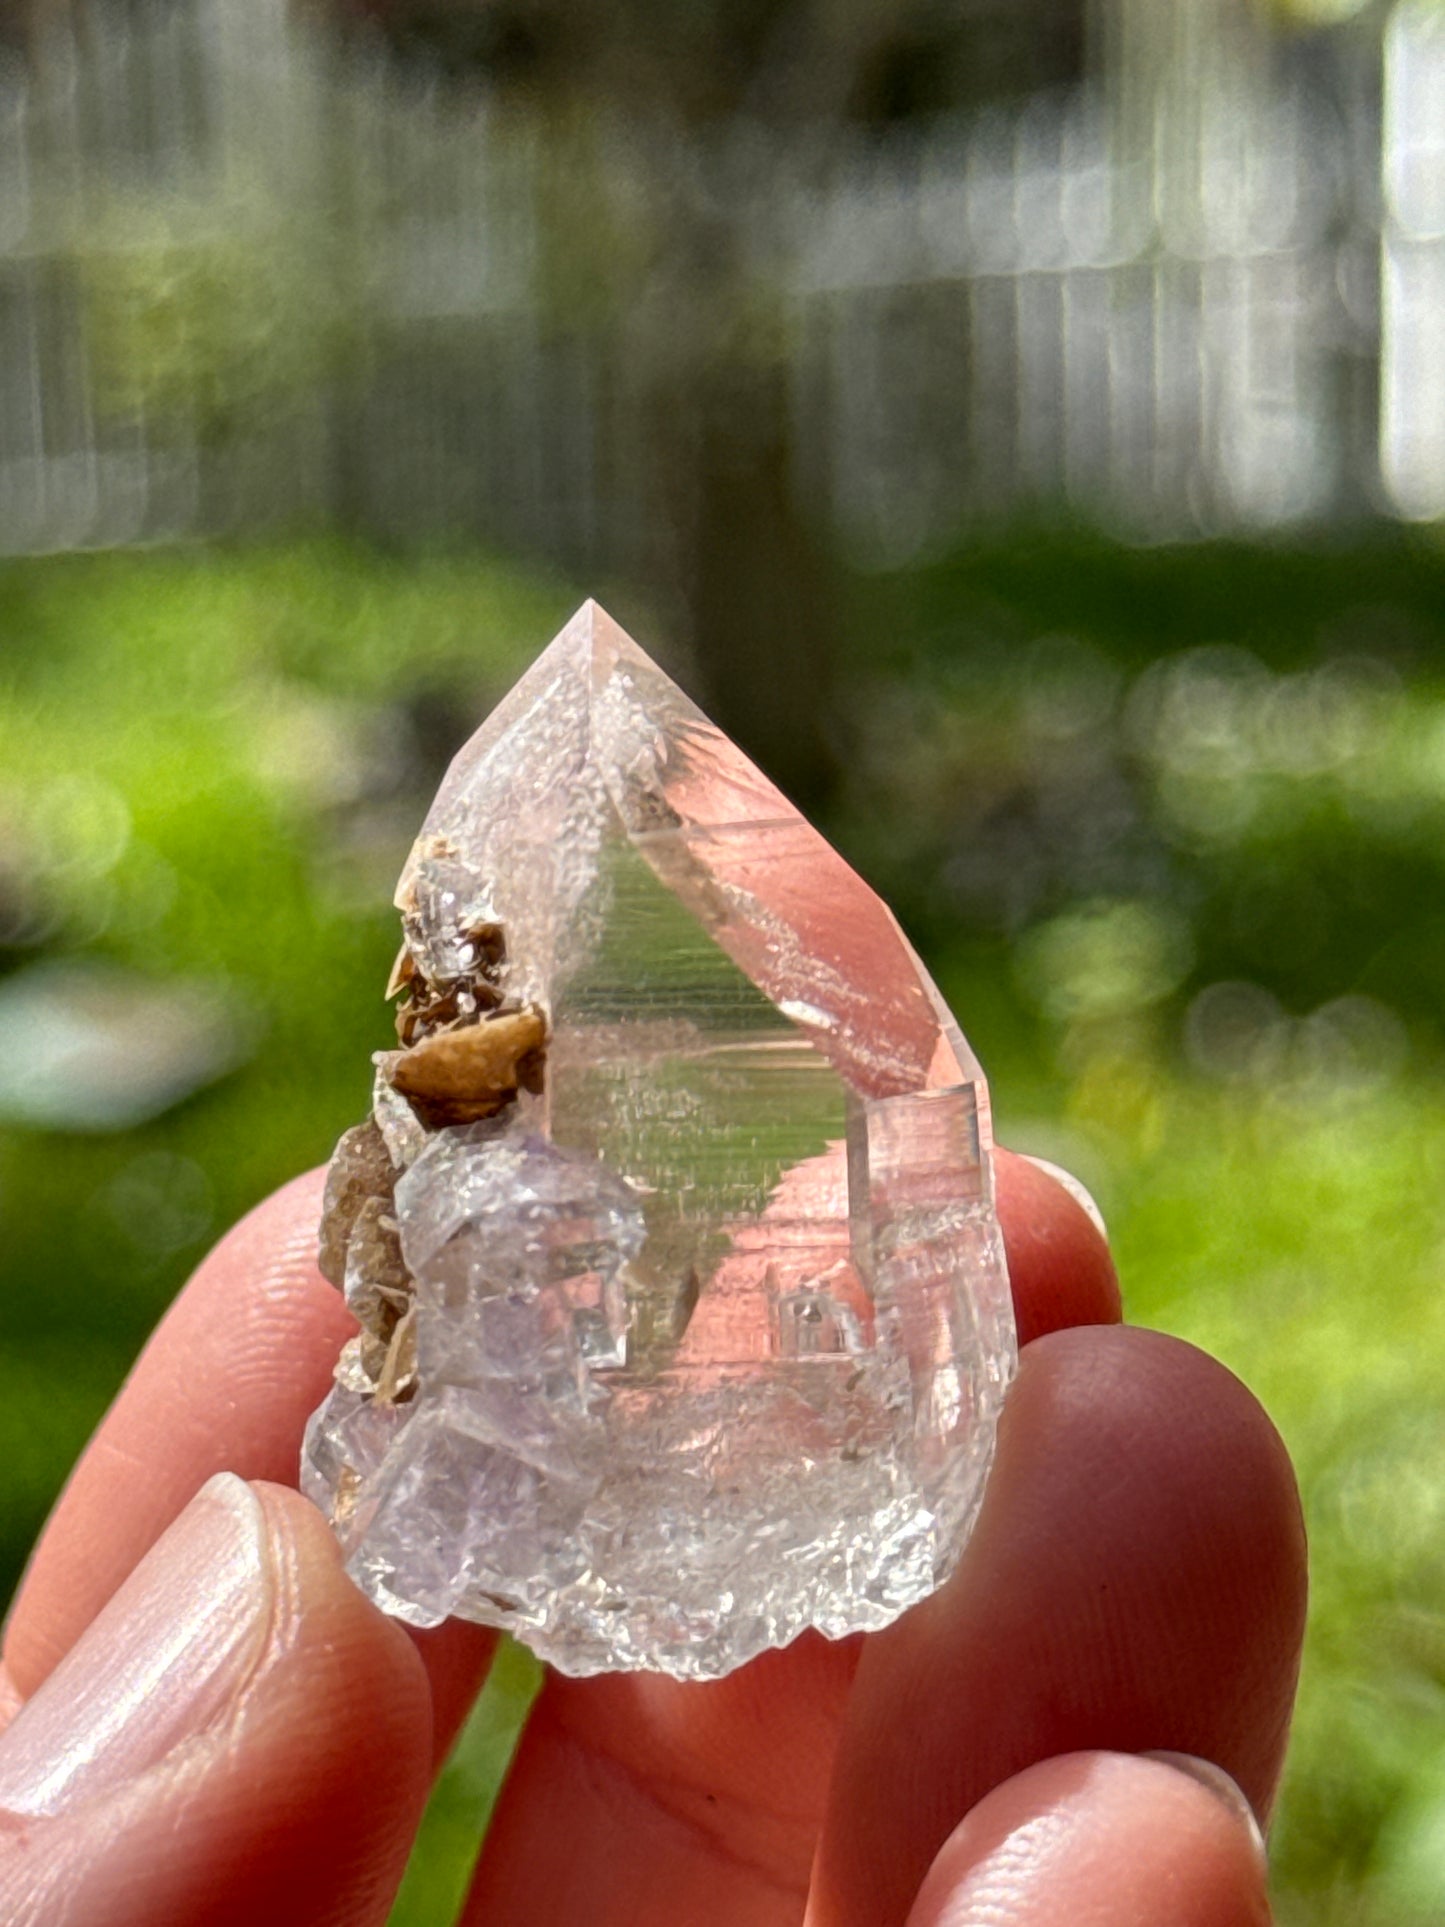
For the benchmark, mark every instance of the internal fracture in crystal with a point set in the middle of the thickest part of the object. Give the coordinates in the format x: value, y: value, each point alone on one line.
x: 684, y: 1321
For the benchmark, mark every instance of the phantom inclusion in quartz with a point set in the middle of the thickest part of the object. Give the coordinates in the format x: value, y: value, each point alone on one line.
x: 684, y: 1318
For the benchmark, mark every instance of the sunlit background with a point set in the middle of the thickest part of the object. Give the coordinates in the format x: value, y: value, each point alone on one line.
x: 1022, y: 422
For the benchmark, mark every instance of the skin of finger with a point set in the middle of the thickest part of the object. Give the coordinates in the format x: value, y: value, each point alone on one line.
x: 226, y: 1383
x: 724, y: 1784
x: 299, y: 1805
x: 1136, y: 1581
x: 1097, y: 1840
x: 1059, y: 1265
x: 677, y: 1802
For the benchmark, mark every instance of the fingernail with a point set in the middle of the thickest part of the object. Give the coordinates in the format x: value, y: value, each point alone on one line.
x: 1078, y: 1192
x: 163, y: 1661
x: 1222, y: 1787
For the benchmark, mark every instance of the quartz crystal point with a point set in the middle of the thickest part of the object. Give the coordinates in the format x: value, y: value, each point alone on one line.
x: 684, y: 1318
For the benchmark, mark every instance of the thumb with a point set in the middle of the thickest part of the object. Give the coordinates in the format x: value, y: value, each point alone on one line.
x: 237, y: 1736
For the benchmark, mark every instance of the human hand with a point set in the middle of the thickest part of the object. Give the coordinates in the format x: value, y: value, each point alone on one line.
x: 208, y: 1724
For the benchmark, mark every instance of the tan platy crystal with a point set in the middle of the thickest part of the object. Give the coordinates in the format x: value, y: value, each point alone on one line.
x: 684, y: 1318
x: 472, y: 1070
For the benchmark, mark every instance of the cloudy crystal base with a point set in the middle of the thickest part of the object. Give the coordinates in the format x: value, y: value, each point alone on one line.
x: 695, y: 1335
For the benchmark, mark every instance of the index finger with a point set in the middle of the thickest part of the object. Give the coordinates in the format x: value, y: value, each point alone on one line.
x: 225, y: 1384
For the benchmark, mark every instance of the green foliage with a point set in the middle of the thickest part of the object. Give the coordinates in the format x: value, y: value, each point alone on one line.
x: 1169, y: 828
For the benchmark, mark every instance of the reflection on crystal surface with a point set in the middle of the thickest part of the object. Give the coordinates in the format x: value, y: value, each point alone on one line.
x: 711, y: 1319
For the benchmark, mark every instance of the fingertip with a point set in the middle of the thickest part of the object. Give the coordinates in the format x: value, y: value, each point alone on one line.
x: 1221, y: 1787
x: 1059, y: 1263
x: 1093, y: 1839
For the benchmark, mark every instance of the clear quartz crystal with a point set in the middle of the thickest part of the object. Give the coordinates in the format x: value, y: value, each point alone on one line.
x: 710, y: 1318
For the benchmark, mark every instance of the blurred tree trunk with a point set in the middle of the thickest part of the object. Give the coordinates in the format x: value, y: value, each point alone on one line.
x: 761, y: 590
x: 673, y: 136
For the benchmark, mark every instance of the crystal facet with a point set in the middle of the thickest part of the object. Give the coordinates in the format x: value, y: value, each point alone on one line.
x: 684, y: 1318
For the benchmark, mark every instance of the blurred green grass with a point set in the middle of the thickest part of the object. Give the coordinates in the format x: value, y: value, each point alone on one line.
x: 1170, y: 828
